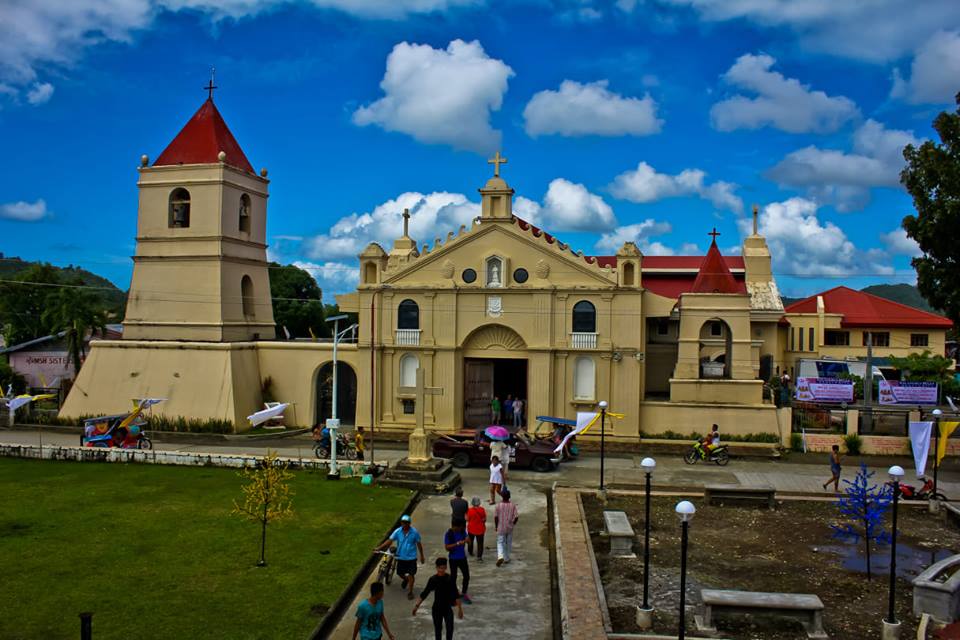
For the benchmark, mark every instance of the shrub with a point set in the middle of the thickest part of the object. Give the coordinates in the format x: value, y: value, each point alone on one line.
x: 854, y: 443
x: 154, y: 423
x: 796, y: 441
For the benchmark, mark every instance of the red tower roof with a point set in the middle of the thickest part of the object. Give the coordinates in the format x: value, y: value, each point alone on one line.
x: 202, y: 139
x: 715, y: 276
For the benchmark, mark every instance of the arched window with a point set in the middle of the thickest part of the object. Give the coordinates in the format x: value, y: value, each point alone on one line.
x: 246, y: 292
x: 494, y: 272
x: 408, y: 370
x: 369, y: 273
x: 408, y: 315
x: 584, y: 378
x: 628, y: 274
x: 584, y: 317
x: 245, y: 213
x: 179, y: 211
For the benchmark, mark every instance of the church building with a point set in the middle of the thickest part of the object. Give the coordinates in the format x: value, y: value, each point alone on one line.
x: 500, y: 308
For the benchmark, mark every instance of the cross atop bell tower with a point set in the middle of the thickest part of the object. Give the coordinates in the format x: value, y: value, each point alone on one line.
x: 496, y: 161
x: 210, y: 86
x: 496, y: 195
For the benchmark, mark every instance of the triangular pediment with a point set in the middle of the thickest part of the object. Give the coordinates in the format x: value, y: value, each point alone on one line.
x: 547, y: 261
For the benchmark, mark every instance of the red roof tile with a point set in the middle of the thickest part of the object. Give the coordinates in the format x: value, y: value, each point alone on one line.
x: 202, y: 139
x: 687, y: 263
x: 860, y: 309
x: 714, y: 275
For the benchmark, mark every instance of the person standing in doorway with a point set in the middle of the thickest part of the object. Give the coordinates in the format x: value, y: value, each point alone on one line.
x: 505, y: 518
x: 834, y: 470
x: 408, y: 545
x: 458, y: 506
x: 517, y: 412
x: 371, y: 621
x: 508, y: 408
x: 476, y: 527
x: 455, y: 542
x: 445, y: 597
x: 495, y: 410
x: 496, y: 478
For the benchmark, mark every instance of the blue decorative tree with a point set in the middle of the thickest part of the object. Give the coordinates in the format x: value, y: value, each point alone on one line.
x: 864, y: 504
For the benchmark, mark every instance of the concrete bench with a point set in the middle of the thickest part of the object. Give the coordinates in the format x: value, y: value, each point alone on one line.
x: 719, y: 492
x: 940, y: 598
x: 618, y: 529
x: 807, y: 608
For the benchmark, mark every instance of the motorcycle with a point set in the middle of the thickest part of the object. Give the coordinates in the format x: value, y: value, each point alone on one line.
x: 345, y: 449
x: 909, y: 492
x: 720, y: 455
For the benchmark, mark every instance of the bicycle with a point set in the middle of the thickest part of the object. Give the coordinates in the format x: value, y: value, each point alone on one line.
x: 388, y: 565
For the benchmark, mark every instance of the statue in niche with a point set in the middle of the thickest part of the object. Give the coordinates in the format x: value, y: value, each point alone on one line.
x: 493, y: 273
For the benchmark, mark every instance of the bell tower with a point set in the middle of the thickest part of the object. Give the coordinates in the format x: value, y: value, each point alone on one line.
x: 200, y: 269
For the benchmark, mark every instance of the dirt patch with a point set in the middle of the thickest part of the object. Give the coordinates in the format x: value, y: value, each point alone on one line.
x: 789, y: 550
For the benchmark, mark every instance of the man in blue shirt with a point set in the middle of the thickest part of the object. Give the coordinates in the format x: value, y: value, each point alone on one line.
x: 455, y: 541
x: 408, y: 544
x: 370, y: 619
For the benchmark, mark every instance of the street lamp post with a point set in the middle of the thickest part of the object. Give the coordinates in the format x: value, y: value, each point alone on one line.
x: 333, y: 423
x: 936, y: 447
x: 603, y: 424
x: 645, y: 613
x: 891, y: 628
x: 685, y: 510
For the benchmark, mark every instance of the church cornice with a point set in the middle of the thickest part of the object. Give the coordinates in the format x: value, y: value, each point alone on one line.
x: 203, y: 258
x: 226, y: 239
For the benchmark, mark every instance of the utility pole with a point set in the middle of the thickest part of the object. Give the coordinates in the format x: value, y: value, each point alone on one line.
x: 868, y: 386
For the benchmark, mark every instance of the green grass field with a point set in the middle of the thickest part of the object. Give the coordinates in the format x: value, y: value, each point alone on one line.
x: 154, y: 552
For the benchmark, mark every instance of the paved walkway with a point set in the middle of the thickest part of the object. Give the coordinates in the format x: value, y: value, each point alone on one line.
x: 511, y: 602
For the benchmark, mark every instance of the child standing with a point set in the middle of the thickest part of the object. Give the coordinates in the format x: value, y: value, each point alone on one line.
x: 496, y: 478
x: 476, y: 527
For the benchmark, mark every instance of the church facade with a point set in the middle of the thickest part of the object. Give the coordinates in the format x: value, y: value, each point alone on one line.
x: 500, y: 308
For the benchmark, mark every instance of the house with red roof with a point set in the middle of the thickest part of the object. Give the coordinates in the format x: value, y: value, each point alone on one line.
x: 836, y: 324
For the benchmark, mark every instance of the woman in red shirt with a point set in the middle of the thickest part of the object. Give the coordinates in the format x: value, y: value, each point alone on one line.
x: 476, y: 527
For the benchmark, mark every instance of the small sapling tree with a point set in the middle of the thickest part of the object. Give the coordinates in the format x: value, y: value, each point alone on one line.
x: 266, y: 496
x: 864, y: 504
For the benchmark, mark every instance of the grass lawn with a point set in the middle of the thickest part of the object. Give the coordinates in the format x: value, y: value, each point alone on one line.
x: 154, y: 552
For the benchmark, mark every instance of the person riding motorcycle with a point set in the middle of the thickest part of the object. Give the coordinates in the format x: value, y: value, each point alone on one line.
x: 710, y: 442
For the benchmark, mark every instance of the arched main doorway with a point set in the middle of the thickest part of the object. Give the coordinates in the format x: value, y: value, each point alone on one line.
x: 495, y: 364
x: 346, y: 392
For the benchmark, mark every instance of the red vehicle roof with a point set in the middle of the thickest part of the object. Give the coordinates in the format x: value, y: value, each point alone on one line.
x: 202, y: 139
x: 860, y: 309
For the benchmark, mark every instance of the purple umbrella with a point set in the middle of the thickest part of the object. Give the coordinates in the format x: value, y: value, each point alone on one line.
x: 497, y: 433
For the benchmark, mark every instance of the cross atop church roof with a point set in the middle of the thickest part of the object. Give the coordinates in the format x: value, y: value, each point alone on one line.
x: 496, y: 161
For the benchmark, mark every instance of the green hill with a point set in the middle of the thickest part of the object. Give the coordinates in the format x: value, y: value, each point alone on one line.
x: 11, y: 266
x: 906, y: 294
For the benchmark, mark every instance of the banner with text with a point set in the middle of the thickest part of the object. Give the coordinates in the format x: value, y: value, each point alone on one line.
x: 824, y: 390
x: 899, y: 392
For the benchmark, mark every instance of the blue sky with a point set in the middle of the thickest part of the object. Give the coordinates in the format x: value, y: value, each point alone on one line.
x: 650, y: 121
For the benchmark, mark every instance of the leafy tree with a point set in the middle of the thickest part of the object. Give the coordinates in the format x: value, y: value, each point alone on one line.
x: 267, y: 497
x: 863, y: 506
x: 12, y: 379
x: 924, y: 367
x: 23, y: 302
x: 297, y: 302
x: 932, y: 176
x: 78, y: 313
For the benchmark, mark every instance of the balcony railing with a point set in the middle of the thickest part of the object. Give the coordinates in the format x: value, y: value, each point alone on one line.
x: 407, y: 337
x: 581, y: 340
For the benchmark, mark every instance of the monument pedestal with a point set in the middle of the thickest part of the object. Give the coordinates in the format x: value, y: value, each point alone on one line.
x: 433, y: 475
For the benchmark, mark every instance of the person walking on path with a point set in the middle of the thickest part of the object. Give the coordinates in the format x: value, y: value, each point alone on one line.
x: 458, y: 506
x: 455, y: 542
x: 834, y: 469
x: 517, y: 412
x: 360, y: 443
x: 408, y: 544
x: 496, y: 478
x: 495, y: 409
x: 505, y: 518
x: 445, y: 597
x: 476, y: 527
x: 371, y: 622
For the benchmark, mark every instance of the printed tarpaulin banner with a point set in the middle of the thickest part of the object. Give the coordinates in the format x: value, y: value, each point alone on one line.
x: 920, y: 440
x: 899, y: 392
x: 824, y: 390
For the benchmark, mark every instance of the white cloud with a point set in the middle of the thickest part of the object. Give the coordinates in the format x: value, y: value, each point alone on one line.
x: 933, y: 73
x: 782, y: 103
x: 639, y: 233
x: 801, y: 244
x: 36, y: 34
x: 24, y: 211
x: 897, y: 242
x: 569, y: 206
x: 590, y: 109
x: 644, y: 184
x: 40, y: 93
x: 441, y: 95
x: 845, y: 178
x: 874, y: 31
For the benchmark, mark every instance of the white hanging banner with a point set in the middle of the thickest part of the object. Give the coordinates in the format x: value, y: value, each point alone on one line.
x: 920, y: 440
x: 584, y: 420
x: 262, y: 416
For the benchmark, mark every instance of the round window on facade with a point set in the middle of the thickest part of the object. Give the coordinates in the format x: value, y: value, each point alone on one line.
x: 520, y: 275
x: 469, y: 276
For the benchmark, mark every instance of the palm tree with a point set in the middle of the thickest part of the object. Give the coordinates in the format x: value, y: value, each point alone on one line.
x: 78, y: 313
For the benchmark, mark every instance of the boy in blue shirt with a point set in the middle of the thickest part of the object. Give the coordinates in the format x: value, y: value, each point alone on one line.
x: 455, y: 541
x: 408, y: 545
x: 370, y: 619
